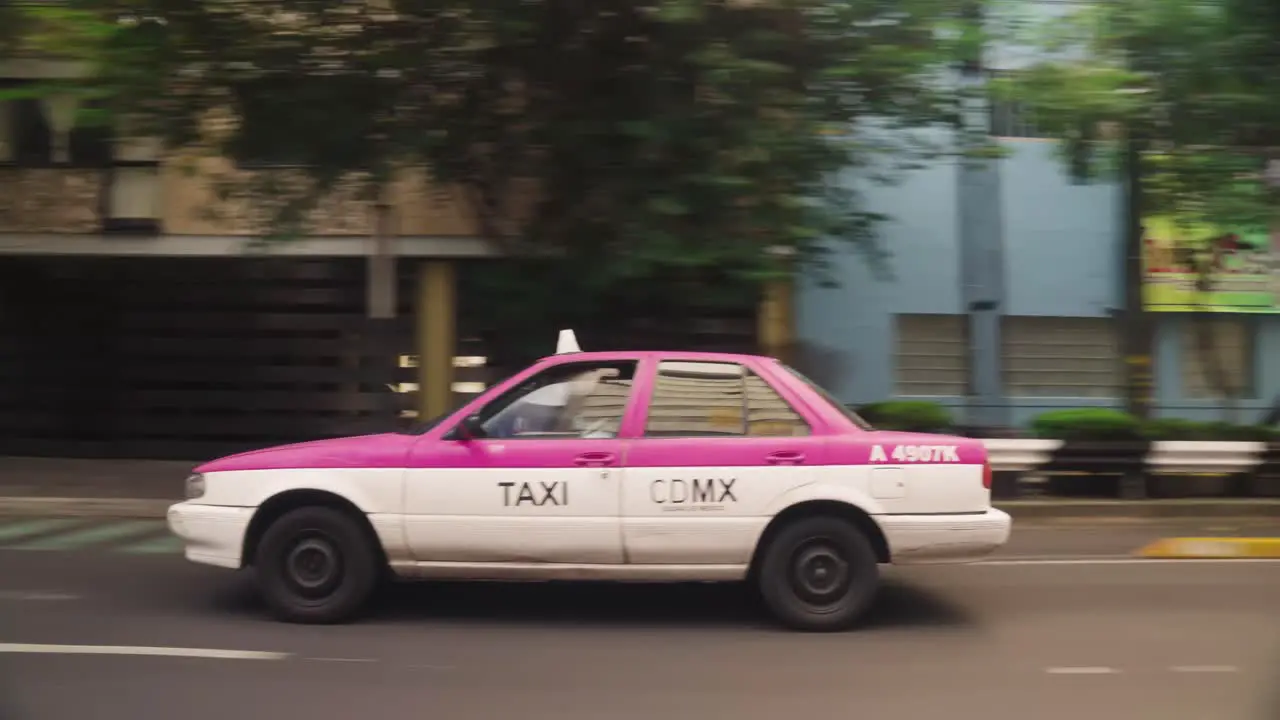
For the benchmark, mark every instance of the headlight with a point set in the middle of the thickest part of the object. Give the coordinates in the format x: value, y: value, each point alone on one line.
x: 195, y: 487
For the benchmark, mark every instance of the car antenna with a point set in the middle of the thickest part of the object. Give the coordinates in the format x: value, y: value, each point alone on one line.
x: 568, y: 343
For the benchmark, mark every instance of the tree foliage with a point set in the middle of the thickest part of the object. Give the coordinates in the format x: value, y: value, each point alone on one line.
x: 1184, y: 97
x: 630, y: 139
x: 1194, y: 81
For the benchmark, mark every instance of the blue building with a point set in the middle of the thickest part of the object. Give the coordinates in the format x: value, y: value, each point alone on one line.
x: 1005, y: 281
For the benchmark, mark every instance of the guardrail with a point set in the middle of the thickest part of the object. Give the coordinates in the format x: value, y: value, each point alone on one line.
x: 1190, y: 457
x: 1134, y: 469
x: 1007, y: 455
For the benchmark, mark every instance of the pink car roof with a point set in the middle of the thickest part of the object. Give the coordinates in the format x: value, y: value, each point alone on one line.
x: 656, y: 354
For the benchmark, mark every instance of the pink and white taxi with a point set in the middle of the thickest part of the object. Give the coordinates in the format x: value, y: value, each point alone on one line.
x: 616, y: 466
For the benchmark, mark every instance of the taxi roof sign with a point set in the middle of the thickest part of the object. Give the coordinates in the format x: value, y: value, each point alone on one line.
x: 568, y: 343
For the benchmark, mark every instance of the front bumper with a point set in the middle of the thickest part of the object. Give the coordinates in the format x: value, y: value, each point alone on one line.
x: 213, y: 534
x: 930, y: 539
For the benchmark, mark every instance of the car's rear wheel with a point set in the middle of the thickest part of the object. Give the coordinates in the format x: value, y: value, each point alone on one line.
x: 819, y: 574
x: 316, y: 565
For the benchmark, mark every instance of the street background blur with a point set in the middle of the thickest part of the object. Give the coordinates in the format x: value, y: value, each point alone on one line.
x: 233, y: 224
x: 229, y: 224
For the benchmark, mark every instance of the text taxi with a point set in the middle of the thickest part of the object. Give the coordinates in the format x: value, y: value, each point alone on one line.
x: 625, y: 466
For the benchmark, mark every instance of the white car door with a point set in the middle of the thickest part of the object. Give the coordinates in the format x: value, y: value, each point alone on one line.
x: 720, y: 445
x: 541, y: 484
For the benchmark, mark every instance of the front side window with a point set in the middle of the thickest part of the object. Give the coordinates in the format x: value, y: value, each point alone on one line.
x: 575, y: 400
x: 707, y: 399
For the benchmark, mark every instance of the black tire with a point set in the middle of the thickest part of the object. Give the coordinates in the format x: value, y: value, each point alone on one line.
x: 292, y: 586
x: 819, y: 574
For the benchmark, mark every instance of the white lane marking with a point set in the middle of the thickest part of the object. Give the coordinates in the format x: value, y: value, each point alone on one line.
x: 1057, y: 558
x: 1205, y: 669
x: 1125, y: 561
x: 33, y: 596
x: 1083, y: 670
x: 27, y: 648
x: 342, y: 660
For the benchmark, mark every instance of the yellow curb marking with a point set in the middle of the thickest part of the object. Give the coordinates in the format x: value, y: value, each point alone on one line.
x: 1212, y: 547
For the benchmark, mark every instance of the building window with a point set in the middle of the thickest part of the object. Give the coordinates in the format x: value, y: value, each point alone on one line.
x: 90, y: 145
x: 30, y: 137
x: 30, y: 142
x: 276, y: 112
x: 265, y: 141
x: 931, y: 355
x: 1061, y: 357
x: 1009, y: 118
x: 1218, y: 357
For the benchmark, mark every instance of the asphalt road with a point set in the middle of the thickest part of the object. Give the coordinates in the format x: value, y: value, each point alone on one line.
x: 1098, y: 538
x: 1044, y: 633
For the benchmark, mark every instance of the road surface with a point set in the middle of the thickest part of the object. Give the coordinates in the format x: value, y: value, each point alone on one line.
x: 1105, y: 538
x: 1045, y: 632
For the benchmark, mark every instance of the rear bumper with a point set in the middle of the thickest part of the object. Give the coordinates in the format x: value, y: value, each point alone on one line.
x: 929, y: 539
x: 213, y: 534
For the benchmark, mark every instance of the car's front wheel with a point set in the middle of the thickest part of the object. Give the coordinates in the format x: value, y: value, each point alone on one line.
x: 819, y: 574
x: 316, y: 565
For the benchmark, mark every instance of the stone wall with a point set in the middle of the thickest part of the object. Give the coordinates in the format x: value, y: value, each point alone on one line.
x: 193, y: 205
x: 50, y: 200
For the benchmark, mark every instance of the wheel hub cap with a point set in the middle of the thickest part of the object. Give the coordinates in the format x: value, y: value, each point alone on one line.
x: 820, y: 573
x: 312, y: 563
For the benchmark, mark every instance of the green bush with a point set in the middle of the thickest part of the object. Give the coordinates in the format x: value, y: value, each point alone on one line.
x: 1087, y: 424
x: 1244, y: 433
x: 1107, y: 424
x: 1175, y: 429
x: 908, y: 416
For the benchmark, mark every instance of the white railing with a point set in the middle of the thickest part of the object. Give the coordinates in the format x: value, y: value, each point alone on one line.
x: 1187, y: 456
x: 1165, y: 457
x: 1011, y: 455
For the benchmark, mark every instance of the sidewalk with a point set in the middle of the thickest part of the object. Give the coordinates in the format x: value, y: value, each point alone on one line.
x: 101, y: 479
x: 145, y: 489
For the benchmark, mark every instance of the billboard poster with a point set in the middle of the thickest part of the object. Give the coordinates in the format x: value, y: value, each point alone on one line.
x: 1205, y: 268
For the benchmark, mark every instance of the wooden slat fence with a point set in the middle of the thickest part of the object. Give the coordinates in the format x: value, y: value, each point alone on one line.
x: 189, y: 358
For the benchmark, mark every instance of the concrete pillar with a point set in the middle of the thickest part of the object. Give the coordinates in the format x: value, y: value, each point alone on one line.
x: 982, y: 292
x: 381, y: 269
x: 60, y: 112
x: 380, y: 305
x: 436, y: 337
x: 775, y: 319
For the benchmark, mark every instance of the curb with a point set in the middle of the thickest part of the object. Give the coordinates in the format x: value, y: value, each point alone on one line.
x: 1142, y: 510
x: 85, y: 507
x: 1216, y: 548
x: 1021, y: 510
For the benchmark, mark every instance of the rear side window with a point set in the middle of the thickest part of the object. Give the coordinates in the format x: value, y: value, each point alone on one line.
x: 706, y: 399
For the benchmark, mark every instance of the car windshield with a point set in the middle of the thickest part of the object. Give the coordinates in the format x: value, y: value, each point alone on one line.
x: 841, y: 407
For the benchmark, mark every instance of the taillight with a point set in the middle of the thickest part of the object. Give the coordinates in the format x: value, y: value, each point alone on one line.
x: 986, y: 475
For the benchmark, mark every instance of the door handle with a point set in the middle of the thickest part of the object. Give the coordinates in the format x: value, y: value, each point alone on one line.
x: 784, y: 457
x: 594, y: 458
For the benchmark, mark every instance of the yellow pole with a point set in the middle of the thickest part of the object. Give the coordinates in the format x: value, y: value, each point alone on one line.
x: 775, y: 319
x: 436, y: 339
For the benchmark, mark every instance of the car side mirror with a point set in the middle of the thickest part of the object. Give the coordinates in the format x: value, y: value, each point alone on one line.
x: 470, y: 428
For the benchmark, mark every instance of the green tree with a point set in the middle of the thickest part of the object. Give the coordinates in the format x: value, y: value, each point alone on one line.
x: 1254, y: 65
x: 1172, y: 97
x: 632, y: 140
